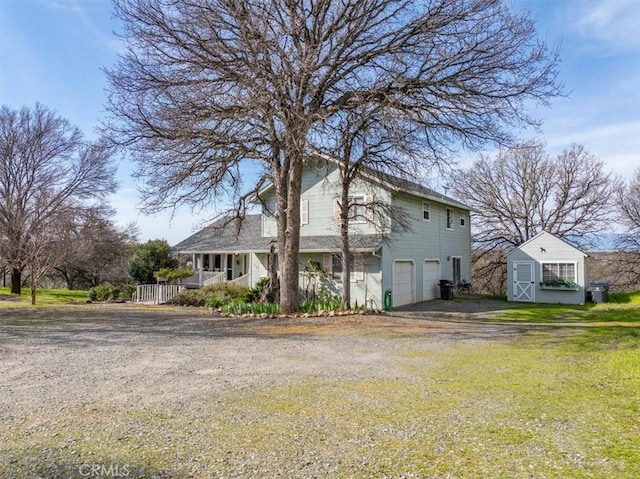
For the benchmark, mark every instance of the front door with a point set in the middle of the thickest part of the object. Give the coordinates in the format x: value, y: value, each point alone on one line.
x: 523, y: 282
x: 229, y: 267
x: 457, y: 269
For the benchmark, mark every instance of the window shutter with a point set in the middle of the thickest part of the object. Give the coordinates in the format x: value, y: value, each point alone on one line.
x: 262, y: 269
x: 327, y: 263
x: 336, y: 210
x: 304, y: 212
x: 359, y: 267
x: 368, y: 212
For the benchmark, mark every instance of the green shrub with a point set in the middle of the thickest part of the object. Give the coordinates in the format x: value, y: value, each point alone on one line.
x: 190, y: 297
x: 218, y: 299
x: 127, y: 290
x: 559, y: 283
x: 171, y: 274
x: 236, y: 291
x: 258, y: 289
x: 213, y: 296
x: 109, y: 292
x: 242, y: 307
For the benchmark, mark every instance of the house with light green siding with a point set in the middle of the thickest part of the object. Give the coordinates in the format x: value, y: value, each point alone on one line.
x: 427, y: 238
x: 546, y: 269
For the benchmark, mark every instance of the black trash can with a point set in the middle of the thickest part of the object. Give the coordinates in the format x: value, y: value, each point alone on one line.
x: 446, y: 289
x: 598, y: 291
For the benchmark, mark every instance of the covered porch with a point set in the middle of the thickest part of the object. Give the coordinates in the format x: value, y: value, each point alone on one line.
x: 218, y: 267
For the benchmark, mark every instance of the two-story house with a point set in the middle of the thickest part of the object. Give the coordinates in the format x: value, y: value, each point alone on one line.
x: 423, y: 237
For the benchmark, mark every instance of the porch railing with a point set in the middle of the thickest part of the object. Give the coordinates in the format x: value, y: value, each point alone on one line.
x: 217, y: 278
x: 202, y: 277
x: 244, y: 280
x: 156, y: 293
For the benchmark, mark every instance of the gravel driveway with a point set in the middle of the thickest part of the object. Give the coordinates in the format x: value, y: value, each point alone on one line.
x: 57, y: 362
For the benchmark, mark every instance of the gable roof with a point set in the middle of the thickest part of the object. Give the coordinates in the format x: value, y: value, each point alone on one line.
x: 402, y: 185
x: 226, y: 238
x: 392, y: 183
x: 546, y: 233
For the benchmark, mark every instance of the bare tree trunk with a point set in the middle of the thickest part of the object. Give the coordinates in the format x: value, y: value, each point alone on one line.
x: 32, y: 290
x: 344, y: 246
x: 16, y: 281
x: 270, y: 293
x: 289, y: 257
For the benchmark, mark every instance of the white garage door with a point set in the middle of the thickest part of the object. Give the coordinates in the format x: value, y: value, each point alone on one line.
x: 430, y: 278
x: 403, y: 283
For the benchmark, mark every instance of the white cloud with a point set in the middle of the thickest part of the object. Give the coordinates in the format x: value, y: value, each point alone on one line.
x: 94, y: 21
x: 617, y: 144
x: 610, y: 24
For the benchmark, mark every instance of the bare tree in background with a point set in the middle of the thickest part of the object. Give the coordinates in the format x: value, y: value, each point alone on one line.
x: 48, y: 174
x: 99, y: 251
x: 524, y: 191
x: 46, y: 247
x: 628, y: 244
x: 207, y: 87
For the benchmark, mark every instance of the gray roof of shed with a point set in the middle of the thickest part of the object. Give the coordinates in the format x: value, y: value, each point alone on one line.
x: 226, y: 238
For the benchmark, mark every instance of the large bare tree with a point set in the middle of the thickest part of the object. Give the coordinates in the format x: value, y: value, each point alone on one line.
x: 524, y: 190
x: 48, y: 174
x: 99, y: 251
x: 628, y: 244
x: 207, y: 87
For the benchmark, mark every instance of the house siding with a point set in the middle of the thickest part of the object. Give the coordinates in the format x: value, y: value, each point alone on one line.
x: 367, y: 291
x: 321, y: 188
x: 428, y: 240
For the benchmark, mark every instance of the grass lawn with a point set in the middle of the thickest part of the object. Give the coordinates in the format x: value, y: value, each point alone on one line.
x: 560, y: 401
x: 44, y: 297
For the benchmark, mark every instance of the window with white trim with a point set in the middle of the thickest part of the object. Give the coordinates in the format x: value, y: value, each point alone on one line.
x: 356, y: 270
x: 449, y: 219
x: 357, y: 209
x: 562, y: 271
x: 360, y: 208
x: 463, y: 220
x: 426, y: 211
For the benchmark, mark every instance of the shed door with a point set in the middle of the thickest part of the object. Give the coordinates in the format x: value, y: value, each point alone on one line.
x: 523, y: 282
x: 403, y: 283
x: 430, y: 279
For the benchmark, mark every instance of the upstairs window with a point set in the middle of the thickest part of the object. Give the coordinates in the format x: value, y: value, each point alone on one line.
x: 449, y: 219
x: 463, y: 220
x: 360, y: 209
x: 426, y: 211
x: 357, y: 209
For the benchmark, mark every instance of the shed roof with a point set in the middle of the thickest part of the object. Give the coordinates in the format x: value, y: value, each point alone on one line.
x: 546, y: 233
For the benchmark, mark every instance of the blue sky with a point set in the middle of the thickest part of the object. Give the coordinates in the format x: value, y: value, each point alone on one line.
x: 53, y: 52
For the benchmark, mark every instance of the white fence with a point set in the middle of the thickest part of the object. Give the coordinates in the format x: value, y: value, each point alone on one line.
x: 202, y: 277
x: 244, y: 280
x: 217, y: 278
x: 156, y: 293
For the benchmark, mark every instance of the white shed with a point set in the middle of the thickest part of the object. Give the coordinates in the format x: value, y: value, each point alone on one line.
x: 546, y: 269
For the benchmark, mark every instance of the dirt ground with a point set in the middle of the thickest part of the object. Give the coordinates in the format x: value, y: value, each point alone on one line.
x: 59, y: 367
x: 92, y: 352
